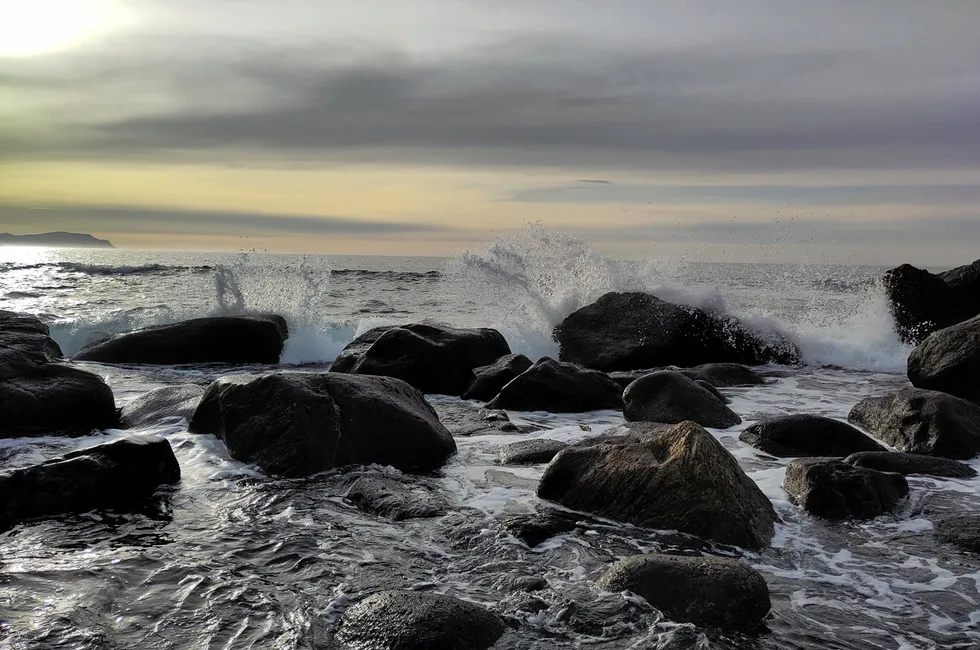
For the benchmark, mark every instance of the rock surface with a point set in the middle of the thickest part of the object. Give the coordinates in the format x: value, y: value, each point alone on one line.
x: 434, y: 359
x: 923, y: 303
x: 919, y: 421
x: 962, y: 531
x: 297, y: 424
x: 396, y: 498
x: 530, y: 452
x: 215, y: 339
x: 488, y: 380
x: 707, y: 591
x: 948, y: 361
x: 178, y: 401
x: 670, y: 397
x: 724, y: 375
x: 537, y: 528
x: 905, y: 464
x: 668, y: 477
x: 807, y: 435
x: 832, y: 489
x: 628, y: 331
x: 408, y: 620
x: 559, y: 388
x: 114, y: 475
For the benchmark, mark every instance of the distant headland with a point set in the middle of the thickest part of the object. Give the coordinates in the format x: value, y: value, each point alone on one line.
x: 56, y: 239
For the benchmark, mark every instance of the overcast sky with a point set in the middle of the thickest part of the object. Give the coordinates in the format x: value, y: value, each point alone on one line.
x: 840, y: 131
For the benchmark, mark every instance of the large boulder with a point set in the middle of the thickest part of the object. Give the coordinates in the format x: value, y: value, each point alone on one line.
x: 178, y: 401
x: 948, y: 360
x: 297, y: 424
x: 923, y: 303
x: 832, y: 489
x: 714, y: 592
x: 807, y: 435
x: 115, y: 475
x: 488, y: 380
x: 559, y: 388
x: 409, y: 620
x: 962, y: 531
x: 670, y: 397
x: 25, y: 343
x: 906, y: 464
x: 919, y: 421
x: 667, y: 477
x: 215, y: 339
x: 628, y: 331
x: 432, y: 358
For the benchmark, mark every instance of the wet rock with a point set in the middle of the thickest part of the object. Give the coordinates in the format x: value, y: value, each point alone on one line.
x: 530, y: 452
x: 396, y: 498
x: 627, y: 331
x: 905, y: 464
x: 714, y: 391
x: 488, y: 380
x: 922, y: 303
x: 948, y: 361
x: 433, y: 358
x: 114, y: 475
x: 807, y: 435
x: 710, y: 592
x: 724, y: 375
x: 961, y: 531
x: 656, y: 476
x: 406, y: 620
x: 215, y: 339
x: 832, y: 489
x: 537, y: 528
x: 25, y: 344
x: 559, y: 388
x: 965, y: 282
x: 919, y: 421
x: 462, y: 420
x: 165, y: 402
x: 296, y: 424
x: 670, y: 397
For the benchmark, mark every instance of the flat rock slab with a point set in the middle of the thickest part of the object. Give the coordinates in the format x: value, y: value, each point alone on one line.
x: 906, y: 464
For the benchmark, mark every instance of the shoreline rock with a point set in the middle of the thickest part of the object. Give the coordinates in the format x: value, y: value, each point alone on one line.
x: 557, y: 387
x: 948, y: 360
x: 832, y: 489
x: 671, y: 398
x: 797, y: 436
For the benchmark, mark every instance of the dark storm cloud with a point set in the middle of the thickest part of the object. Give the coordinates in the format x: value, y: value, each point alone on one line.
x: 164, y: 220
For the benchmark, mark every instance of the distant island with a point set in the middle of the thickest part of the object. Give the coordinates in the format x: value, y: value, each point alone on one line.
x: 56, y: 239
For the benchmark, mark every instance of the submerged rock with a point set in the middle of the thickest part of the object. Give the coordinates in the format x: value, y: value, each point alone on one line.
x: 627, y: 331
x: 905, y: 464
x: 710, y: 592
x: 948, y: 361
x: 178, y: 401
x: 295, y: 424
x: 530, y: 452
x: 535, y: 529
x: 670, y: 397
x: 657, y: 476
x: 962, y: 531
x: 559, y: 388
x: 832, y: 489
x: 807, y: 435
x: 488, y: 380
x: 396, y: 498
x: 919, y: 421
x: 215, y: 339
x: 114, y: 475
x: 408, y: 620
x: 432, y: 358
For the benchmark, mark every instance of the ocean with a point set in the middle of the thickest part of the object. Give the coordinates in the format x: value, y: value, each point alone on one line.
x: 233, y: 559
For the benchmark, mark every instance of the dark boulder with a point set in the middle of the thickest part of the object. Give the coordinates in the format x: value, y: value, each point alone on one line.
x: 530, y: 452
x: 408, y: 620
x: 55, y: 399
x: 962, y: 531
x: 712, y: 592
x: 965, y: 283
x: 25, y: 343
x: 919, y: 421
x: 215, y: 339
x: 948, y: 360
x: 396, y: 498
x: 115, y: 475
x: 667, y: 477
x: 488, y: 380
x: 559, y: 388
x: 165, y: 402
x: 627, y: 331
x: 807, y: 435
x: 535, y: 529
x: 724, y: 375
x: 670, y: 397
x: 922, y: 303
x: 354, y: 350
x: 295, y: 424
x: 432, y: 358
x: 906, y: 464
x: 832, y: 489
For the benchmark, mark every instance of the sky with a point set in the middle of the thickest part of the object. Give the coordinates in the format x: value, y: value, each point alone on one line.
x: 752, y: 130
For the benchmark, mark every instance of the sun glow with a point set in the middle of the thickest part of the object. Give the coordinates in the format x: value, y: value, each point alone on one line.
x: 31, y: 27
